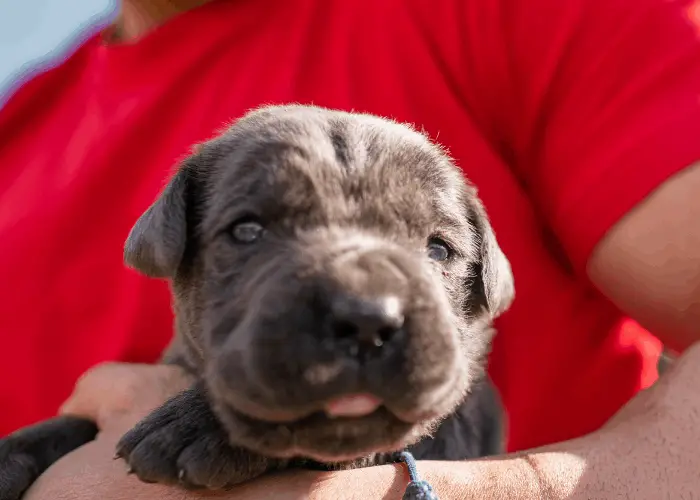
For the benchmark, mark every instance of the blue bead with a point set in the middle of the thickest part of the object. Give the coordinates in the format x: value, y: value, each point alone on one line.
x: 419, y: 490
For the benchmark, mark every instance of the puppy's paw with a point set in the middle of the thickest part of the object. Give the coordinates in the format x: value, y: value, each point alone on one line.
x: 27, y: 453
x: 182, y: 442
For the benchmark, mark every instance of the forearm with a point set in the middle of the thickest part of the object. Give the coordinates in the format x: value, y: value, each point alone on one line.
x: 640, y: 463
x: 552, y: 474
x: 644, y: 465
x: 648, y: 451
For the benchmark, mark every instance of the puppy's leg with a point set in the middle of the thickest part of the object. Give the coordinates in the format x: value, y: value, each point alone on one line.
x: 182, y: 442
x: 27, y: 453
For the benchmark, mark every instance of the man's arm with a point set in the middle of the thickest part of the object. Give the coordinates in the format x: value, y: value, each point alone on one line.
x: 648, y: 451
x: 649, y: 262
x: 605, y: 145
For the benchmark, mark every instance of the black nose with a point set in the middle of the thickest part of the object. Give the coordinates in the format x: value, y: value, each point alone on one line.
x: 365, y: 324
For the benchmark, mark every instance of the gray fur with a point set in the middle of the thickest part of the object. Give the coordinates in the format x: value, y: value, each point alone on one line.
x: 349, y: 203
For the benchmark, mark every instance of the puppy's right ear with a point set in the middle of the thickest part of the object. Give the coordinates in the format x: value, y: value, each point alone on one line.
x: 156, y: 244
x: 494, y: 288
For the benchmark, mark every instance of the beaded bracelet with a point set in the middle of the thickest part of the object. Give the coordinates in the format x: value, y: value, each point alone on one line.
x: 417, y: 489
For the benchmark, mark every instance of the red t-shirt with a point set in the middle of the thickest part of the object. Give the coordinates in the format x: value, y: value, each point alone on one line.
x: 564, y: 113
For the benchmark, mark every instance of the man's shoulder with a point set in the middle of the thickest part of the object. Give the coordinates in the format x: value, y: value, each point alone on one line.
x: 40, y: 84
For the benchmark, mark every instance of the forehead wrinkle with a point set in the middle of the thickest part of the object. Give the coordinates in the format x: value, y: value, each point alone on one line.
x: 450, y: 205
x: 299, y: 144
x: 317, y: 135
x: 243, y: 171
x: 301, y: 177
x: 227, y: 197
x: 395, y: 182
x: 450, y: 202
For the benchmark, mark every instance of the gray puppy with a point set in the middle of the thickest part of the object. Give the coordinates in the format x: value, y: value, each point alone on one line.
x: 334, y: 281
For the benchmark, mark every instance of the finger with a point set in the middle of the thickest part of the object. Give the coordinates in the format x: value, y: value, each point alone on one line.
x: 82, y: 401
x: 108, y: 389
x: 123, y: 391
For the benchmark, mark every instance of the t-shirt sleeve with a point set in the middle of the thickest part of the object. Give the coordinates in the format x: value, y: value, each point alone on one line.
x: 605, y: 106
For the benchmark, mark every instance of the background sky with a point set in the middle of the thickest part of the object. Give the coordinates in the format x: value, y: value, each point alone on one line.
x: 36, y: 34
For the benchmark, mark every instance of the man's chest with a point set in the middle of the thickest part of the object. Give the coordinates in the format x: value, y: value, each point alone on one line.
x: 78, y: 172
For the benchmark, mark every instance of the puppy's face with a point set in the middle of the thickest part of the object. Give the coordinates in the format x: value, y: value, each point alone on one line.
x: 335, y: 275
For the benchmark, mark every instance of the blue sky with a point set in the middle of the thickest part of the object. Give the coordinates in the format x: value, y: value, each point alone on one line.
x: 35, y: 34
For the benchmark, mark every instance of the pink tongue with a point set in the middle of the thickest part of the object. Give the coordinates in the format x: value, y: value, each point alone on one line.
x: 356, y: 405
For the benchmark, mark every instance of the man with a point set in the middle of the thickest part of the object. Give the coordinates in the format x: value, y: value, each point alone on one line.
x: 576, y: 120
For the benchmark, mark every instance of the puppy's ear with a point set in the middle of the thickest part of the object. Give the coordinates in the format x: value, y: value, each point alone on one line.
x: 157, y: 242
x: 495, y: 288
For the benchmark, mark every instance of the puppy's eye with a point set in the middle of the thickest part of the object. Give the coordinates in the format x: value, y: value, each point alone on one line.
x: 438, y: 250
x: 247, y: 231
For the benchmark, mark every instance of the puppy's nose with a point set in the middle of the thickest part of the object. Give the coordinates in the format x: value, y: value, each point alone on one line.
x: 366, y: 324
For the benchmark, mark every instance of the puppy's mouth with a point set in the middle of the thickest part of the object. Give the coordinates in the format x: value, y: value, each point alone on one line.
x: 347, y: 406
x: 345, y: 429
x: 352, y: 406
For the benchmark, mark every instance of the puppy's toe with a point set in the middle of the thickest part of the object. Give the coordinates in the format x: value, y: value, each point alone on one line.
x: 153, y: 457
x: 17, y: 473
x: 212, y: 463
x: 155, y: 422
x: 152, y: 448
x: 183, y: 442
x: 27, y: 453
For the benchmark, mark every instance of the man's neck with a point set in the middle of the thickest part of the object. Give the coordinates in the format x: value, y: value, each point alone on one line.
x: 138, y: 17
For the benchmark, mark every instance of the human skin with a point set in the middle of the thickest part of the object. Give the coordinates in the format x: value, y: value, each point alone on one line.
x: 645, y: 452
x: 138, y: 17
x: 647, y: 264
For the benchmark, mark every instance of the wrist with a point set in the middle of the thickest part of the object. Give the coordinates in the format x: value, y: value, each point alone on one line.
x: 387, y: 482
x: 511, y: 478
x: 514, y: 477
x: 461, y: 480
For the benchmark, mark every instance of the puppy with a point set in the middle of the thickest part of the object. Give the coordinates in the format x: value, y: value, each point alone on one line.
x: 335, y: 280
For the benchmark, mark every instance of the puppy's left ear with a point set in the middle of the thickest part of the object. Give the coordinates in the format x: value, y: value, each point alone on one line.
x: 157, y: 242
x: 496, y: 278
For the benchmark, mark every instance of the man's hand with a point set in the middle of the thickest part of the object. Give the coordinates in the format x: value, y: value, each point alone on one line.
x: 117, y: 395
x: 648, y: 451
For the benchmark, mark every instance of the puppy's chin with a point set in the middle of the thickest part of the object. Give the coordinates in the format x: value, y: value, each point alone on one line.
x: 435, y: 405
x: 318, y: 429
x: 323, y: 438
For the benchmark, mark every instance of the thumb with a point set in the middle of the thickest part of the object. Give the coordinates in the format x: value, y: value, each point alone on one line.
x: 102, y: 385
x: 120, y: 394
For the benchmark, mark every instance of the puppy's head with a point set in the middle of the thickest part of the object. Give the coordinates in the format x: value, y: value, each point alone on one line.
x: 336, y: 276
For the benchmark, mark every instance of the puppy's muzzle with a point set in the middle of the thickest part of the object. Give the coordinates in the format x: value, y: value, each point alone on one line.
x: 365, y: 301
x: 364, y: 321
x: 364, y: 327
